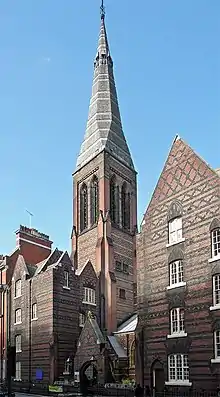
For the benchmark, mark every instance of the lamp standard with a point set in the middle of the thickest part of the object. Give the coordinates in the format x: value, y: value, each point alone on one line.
x: 10, y: 351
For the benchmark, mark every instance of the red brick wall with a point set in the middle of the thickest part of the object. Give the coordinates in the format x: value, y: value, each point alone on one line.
x: 189, y: 180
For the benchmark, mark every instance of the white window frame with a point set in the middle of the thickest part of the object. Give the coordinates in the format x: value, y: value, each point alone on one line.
x: 18, y: 370
x: 18, y: 343
x: 215, y: 237
x: 89, y: 296
x: 177, y: 322
x: 176, y: 273
x: 175, y: 230
x: 16, y: 315
x: 217, y: 344
x: 82, y: 320
x: 18, y: 288
x: 34, y: 312
x: 216, y: 291
x: 66, y: 280
x: 178, y: 370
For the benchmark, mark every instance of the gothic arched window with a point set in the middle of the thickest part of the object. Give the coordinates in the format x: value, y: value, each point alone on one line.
x: 114, y: 200
x: 125, y: 207
x: 94, y: 200
x: 83, y: 207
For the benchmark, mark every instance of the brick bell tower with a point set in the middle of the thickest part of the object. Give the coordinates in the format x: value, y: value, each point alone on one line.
x: 105, y: 196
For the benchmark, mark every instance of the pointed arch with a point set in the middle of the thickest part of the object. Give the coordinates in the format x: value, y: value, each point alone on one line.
x: 83, y: 207
x: 215, y: 224
x: 125, y: 207
x: 114, y: 200
x: 174, y: 211
x: 94, y: 200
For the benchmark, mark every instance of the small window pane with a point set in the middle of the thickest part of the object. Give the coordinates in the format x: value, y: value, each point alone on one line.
x: 122, y: 293
x: 89, y: 296
x: 18, y: 370
x: 178, y: 368
x: 217, y: 344
x: 176, y: 272
x: 18, y: 316
x: 66, y: 279
x: 175, y: 230
x: 216, y: 289
x: 216, y: 242
x: 34, y: 311
x: 18, y: 343
x: 81, y: 319
x: 17, y: 288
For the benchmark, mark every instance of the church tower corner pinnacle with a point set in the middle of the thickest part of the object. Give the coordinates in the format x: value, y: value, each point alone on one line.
x: 104, y: 131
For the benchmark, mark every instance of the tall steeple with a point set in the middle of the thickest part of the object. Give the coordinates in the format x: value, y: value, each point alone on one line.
x: 104, y: 128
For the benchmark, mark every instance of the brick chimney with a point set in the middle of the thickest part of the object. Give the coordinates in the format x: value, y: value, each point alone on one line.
x: 33, y: 245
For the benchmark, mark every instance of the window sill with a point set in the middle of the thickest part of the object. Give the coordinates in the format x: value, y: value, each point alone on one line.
x: 19, y: 296
x: 181, y: 284
x: 181, y: 240
x: 18, y: 351
x: 178, y: 383
x: 64, y: 287
x: 215, y: 360
x: 214, y: 259
x: 19, y: 322
x: 216, y: 307
x: 34, y: 319
x: 88, y: 303
x: 177, y: 335
x: 81, y: 325
x: 18, y: 380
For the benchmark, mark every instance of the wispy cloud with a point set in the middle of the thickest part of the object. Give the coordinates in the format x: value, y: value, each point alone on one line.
x: 46, y: 59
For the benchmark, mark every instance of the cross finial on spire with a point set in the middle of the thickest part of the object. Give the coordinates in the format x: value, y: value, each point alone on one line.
x: 102, y: 10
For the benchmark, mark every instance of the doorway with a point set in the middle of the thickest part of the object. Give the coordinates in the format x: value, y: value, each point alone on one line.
x: 157, y: 376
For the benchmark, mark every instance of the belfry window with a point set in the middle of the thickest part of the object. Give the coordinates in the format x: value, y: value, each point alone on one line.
x: 94, y: 200
x: 114, y: 200
x: 125, y: 207
x: 83, y: 207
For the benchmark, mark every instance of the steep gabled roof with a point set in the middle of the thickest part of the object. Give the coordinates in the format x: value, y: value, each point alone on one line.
x: 80, y: 270
x: 116, y: 346
x: 52, y: 259
x: 98, y: 333
x: 128, y: 326
x: 182, y: 168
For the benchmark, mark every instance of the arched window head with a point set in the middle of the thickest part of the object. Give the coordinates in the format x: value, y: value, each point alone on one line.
x: 114, y: 201
x: 175, y: 211
x: 83, y: 207
x: 215, y: 238
x: 125, y: 207
x: 94, y: 200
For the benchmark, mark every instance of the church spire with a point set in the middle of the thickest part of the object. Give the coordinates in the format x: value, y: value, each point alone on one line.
x: 102, y: 10
x: 104, y: 128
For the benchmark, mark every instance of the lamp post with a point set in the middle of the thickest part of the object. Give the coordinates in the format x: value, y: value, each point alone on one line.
x: 5, y: 288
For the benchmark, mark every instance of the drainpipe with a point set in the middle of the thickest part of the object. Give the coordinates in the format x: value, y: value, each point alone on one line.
x: 30, y: 335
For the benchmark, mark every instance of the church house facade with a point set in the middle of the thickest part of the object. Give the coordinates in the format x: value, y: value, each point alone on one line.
x: 178, y: 257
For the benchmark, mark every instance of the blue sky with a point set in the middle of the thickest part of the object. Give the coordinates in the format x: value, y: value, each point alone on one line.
x: 167, y: 69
